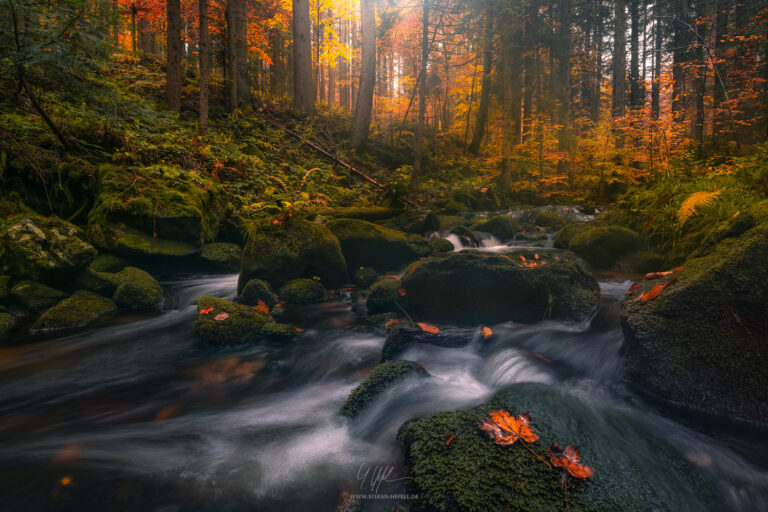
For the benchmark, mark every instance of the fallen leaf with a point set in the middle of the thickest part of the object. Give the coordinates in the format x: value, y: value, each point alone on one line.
x: 570, y: 460
x: 450, y: 439
x: 632, y: 289
x: 261, y: 306
x: 542, y: 357
x: 652, y: 293
x: 206, y: 310
x: 431, y: 329
x: 678, y: 269
x: 69, y: 453
x: 522, y: 258
x: 506, y: 429
x: 65, y: 481
x: 402, y: 292
x: 167, y: 413
x: 535, y: 256
x: 391, y: 276
x: 656, y: 275
x: 221, y: 316
x: 414, y: 267
x: 487, y: 332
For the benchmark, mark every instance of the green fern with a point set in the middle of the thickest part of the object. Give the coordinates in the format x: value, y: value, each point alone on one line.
x: 695, y: 201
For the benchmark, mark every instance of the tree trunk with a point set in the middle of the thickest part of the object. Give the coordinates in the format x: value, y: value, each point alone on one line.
x: 367, y: 75
x: 511, y: 104
x: 173, y: 64
x: 303, y: 91
x: 276, y: 75
x: 619, y: 61
x: 205, y: 41
x: 422, y: 93
x: 656, y: 87
x: 241, y: 53
x: 485, y: 84
x: 719, y: 108
x: 230, y: 80
x: 598, y: 69
x: 530, y: 66
x: 636, y: 86
x: 564, y: 89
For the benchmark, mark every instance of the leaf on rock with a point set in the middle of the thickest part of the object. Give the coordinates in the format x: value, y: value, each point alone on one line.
x: 450, y: 439
x: 570, y: 460
x: 206, y: 310
x: 632, y: 289
x: 221, y: 316
x: 506, y: 429
x: 261, y: 306
x: 431, y: 329
x: 402, y: 292
x: 487, y: 332
x: 656, y: 275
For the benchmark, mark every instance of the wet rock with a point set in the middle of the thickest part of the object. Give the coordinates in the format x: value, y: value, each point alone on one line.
x: 550, y: 220
x: 365, y: 244
x: 703, y: 343
x: 137, y: 290
x: 241, y: 324
x: 365, y: 276
x: 470, y: 288
x: 256, y: 290
x: 466, y: 234
x: 79, y: 310
x: 369, y: 213
x: 502, y: 227
x: 222, y: 256
x: 302, y: 291
x: 602, y: 246
x: 385, y: 296
x: 640, y: 262
x: 281, y: 333
x: 108, y: 263
x: 564, y: 236
x: 441, y: 245
x: 384, y: 376
x: 302, y: 249
x: 414, y: 221
x: 36, y: 296
x: 401, y: 339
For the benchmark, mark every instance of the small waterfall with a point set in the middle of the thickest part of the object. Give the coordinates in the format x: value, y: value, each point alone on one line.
x: 491, y: 241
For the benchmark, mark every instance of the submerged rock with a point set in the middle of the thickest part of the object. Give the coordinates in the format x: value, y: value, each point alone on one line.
x: 602, y: 246
x: 302, y: 291
x: 703, y: 342
x: 239, y: 324
x: 79, y: 310
x: 365, y: 244
x: 302, y: 249
x: 137, y: 290
x: 223, y: 256
x: 256, y: 290
x: 36, y: 296
x: 384, y: 376
x: 473, y: 473
x: 469, y: 288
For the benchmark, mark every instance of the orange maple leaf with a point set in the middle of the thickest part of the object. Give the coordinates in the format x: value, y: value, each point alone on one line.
x: 431, y: 329
x: 206, y: 310
x: 261, y: 306
x: 570, y: 460
x: 487, y: 332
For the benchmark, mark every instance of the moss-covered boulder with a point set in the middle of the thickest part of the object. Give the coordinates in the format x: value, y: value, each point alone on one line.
x: 634, y: 471
x: 441, y: 245
x: 79, y: 310
x: 6, y: 323
x: 563, y: 237
x: 103, y: 283
x: 256, y: 290
x: 302, y: 249
x: 401, y: 339
x: 414, y: 221
x: 502, y: 227
x: 550, y: 220
x: 5, y: 288
x: 640, y: 262
x: 222, y: 256
x: 369, y: 213
x: 365, y: 276
x: 703, y: 343
x: 221, y: 322
x: 386, y: 294
x: 36, y: 296
x: 157, y: 210
x: 108, y: 263
x: 302, y: 291
x: 382, y: 377
x: 469, y: 288
x: 602, y: 246
x: 43, y: 249
x: 466, y: 235
x: 365, y: 244
x: 280, y: 333
x: 137, y: 290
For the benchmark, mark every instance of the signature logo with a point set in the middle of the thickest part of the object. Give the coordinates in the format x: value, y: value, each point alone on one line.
x: 371, y: 477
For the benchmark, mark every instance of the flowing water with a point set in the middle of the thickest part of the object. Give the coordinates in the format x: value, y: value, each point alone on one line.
x: 140, y: 415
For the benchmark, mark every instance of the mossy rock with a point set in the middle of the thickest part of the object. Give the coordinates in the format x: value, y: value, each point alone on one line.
x: 365, y: 244
x: 43, y: 249
x: 550, y: 220
x: 441, y: 245
x: 130, y: 242
x: 384, y: 376
x: 137, y: 290
x: 162, y: 202
x: 385, y: 296
x: 5, y: 288
x: 108, y: 263
x: 242, y: 325
x: 401, y: 339
x: 79, y: 310
x: 36, y: 296
x: 640, y: 262
x: 223, y: 256
x: 470, y: 288
x: 103, y: 283
x: 365, y: 276
x: 256, y: 290
x: 602, y: 246
x: 703, y: 343
x: 369, y: 213
x: 302, y: 249
x: 502, y: 227
x: 302, y: 291
x: 473, y: 473
x: 466, y: 234
x: 454, y: 207
x: 564, y: 236
x: 414, y: 221
x: 451, y: 221
x: 281, y: 333
x: 6, y: 323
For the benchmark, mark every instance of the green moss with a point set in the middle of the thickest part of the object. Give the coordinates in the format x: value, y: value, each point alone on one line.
x: 35, y: 296
x: 6, y: 323
x: 564, y: 236
x: 385, y: 296
x: 242, y: 325
x: 108, y: 263
x: 223, y: 256
x: 502, y: 227
x: 365, y: 276
x: 440, y: 245
x: 103, y: 283
x: 256, y: 290
x: 305, y: 249
x: 81, y: 309
x: 383, y: 376
x: 5, y: 291
x: 454, y: 207
x: 414, y: 221
x: 302, y: 291
x: 640, y: 262
x: 137, y: 290
x: 134, y: 243
x: 451, y: 221
x: 547, y: 219
x: 281, y: 333
x: 601, y: 246
x: 369, y: 213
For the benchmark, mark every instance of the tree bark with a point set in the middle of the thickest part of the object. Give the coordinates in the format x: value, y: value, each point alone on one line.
x: 205, y: 41
x: 422, y: 93
x: 564, y: 89
x: 485, y: 83
x: 241, y: 53
x: 619, y: 105
x: 656, y: 87
x: 173, y: 64
x: 530, y: 66
x: 636, y: 86
x: 230, y: 79
x: 367, y: 75
x: 303, y: 90
x: 511, y: 104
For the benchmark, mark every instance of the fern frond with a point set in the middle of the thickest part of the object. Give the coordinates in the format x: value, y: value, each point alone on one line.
x: 693, y: 202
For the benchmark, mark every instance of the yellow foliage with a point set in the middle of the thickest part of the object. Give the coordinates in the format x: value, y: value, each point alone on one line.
x: 696, y: 200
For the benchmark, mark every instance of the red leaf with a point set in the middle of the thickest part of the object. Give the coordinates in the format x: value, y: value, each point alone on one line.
x: 652, y: 293
x: 206, y: 310
x: 633, y: 288
x: 448, y: 442
x: 261, y: 306
x: 487, y: 333
x: 221, y: 316
x: 570, y: 460
x: 402, y: 292
x: 431, y: 329
x: 656, y: 275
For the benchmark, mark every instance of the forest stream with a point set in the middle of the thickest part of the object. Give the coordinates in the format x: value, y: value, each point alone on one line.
x: 141, y: 415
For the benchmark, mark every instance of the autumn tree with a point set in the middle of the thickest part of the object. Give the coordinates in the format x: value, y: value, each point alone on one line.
x: 367, y: 75
x: 303, y: 90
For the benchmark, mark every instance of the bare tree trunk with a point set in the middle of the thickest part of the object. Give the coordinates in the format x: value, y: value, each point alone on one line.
x: 598, y: 68
x: 173, y: 65
x: 564, y: 89
x: 241, y: 53
x: 485, y: 83
x: 276, y: 75
x: 511, y: 104
x: 367, y: 75
x: 619, y: 60
x: 303, y: 91
x: 656, y: 87
x: 205, y: 41
x: 636, y: 91
x: 422, y: 93
x: 230, y: 80
x: 530, y: 65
